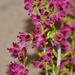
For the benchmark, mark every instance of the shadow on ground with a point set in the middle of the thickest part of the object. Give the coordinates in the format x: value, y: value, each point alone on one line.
x: 29, y: 27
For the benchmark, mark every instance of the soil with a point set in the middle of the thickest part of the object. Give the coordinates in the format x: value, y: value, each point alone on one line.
x: 14, y: 19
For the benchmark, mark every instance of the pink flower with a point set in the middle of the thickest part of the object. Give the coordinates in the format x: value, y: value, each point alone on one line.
x: 27, y: 6
x: 31, y: 1
x: 65, y: 31
x: 32, y: 16
x: 48, y: 22
x: 38, y: 64
x: 38, y: 39
x: 51, y: 5
x: 24, y: 39
x: 17, y: 51
x: 30, y: 10
x: 26, y: 1
x: 72, y: 60
x: 35, y: 19
x: 38, y: 25
x: 46, y: 13
x: 59, y: 37
x: 65, y: 46
x: 72, y: 11
x: 21, y: 55
x: 55, y: 17
x: 16, y: 69
x: 41, y: 66
x: 62, y: 66
x: 41, y: 11
x: 73, y: 26
x: 47, y: 56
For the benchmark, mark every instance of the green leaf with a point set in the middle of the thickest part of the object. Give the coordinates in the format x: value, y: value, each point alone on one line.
x: 41, y: 54
x: 27, y: 67
x: 64, y: 55
x: 45, y: 30
x: 57, y: 70
x: 64, y: 72
x: 43, y: 7
x: 46, y: 66
x: 73, y: 43
x: 44, y: 3
x: 50, y: 35
x: 73, y: 4
x: 74, y: 74
x: 50, y: 73
x: 67, y: 18
x: 52, y: 56
x: 42, y: 20
x: 53, y: 66
x: 31, y: 41
x: 20, y: 49
x: 36, y: 10
x: 55, y: 53
x: 46, y: 43
x: 71, y: 35
x: 52, y: 11
x: 33, y: 5
x: 26, y: 58
x: 67, y: 64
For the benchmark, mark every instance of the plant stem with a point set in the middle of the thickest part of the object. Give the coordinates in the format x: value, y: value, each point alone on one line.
x: 71, y: 70
x: 54, y: 72
x: 44, y: 49
x: 59, y: 55
x: 46, y: 73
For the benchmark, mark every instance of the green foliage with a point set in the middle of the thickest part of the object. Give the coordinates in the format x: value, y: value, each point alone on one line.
x: 36, y: 10
x: 55, y: 53
x: 74, y: 74
x: 20, y: 49
x: 28, y: 67
x: 33, y: 5
x: 41, y: 54
x: 57, y: 70
x: 44, y: 3
x: 52, y: 11
x: 67, y: 19
x: 73, y: 4
x: 64, y: 72
x: 50, y: 73
x: 46, y: 66
x: 66, y: 54
x: 25, y: 59
x: 42, y: 20
x: 67, y: 64
x: 50, y: 35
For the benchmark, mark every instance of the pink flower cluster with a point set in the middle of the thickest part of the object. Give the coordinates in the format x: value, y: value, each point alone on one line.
x: 17, y: 52
x: 55, y: 9
x: 38, y: 64
x: 47, y: 56
x: 54, y: 32
x: 17, y: 69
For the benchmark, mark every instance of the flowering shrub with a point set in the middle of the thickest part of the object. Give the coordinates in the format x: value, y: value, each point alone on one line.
x: 54, y: 32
